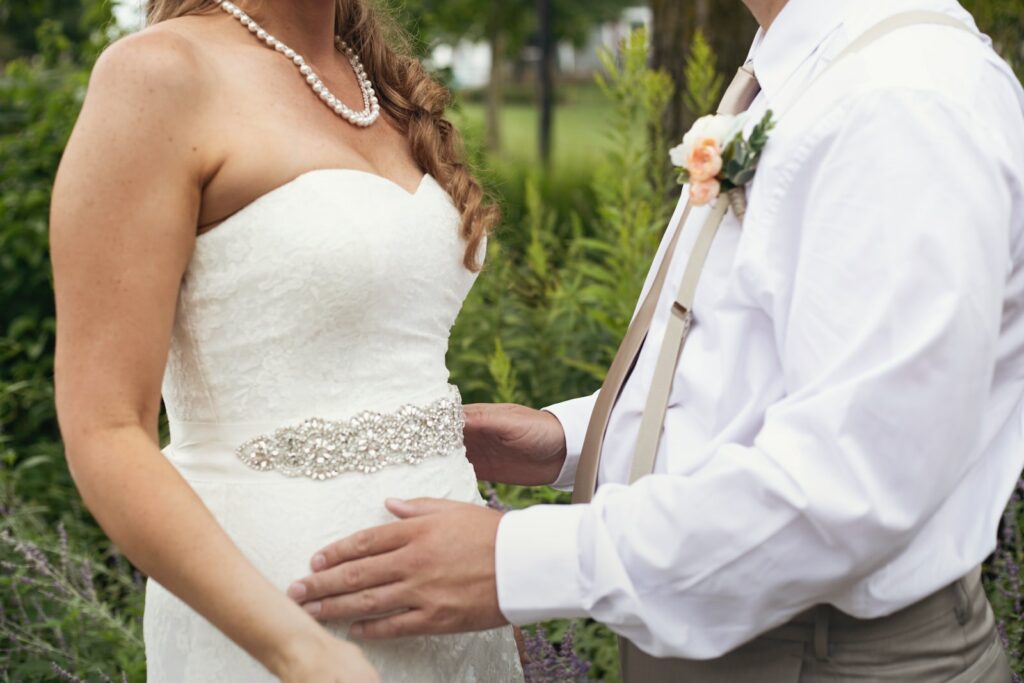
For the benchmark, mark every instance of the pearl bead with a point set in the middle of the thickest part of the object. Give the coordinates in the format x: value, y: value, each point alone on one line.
x: 371, y: 108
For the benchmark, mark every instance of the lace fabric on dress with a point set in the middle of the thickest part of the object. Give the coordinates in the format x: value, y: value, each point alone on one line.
x: 331, y: 295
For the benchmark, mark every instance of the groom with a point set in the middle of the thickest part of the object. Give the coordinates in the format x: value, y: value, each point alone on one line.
x: 843, y: 426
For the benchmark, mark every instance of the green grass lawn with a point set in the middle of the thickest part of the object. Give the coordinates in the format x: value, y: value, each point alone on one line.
x: 579, y: 145
x: 577, y: 137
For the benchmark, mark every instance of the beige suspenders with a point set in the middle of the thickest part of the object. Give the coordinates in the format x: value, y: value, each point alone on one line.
x: 681, y: 318
x: 676, y: 332
x: 737, y: 98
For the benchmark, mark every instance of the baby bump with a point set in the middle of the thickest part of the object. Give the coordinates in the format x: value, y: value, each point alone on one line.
x: 281, y: 522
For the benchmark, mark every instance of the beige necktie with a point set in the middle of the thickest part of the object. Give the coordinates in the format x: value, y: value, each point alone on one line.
x: 737, y: 98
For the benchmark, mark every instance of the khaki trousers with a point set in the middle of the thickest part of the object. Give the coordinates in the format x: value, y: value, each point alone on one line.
x: 949, y: 637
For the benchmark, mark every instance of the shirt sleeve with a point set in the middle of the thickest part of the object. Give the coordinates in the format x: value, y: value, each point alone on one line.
x: 574, y: 415
x: 886, y: 328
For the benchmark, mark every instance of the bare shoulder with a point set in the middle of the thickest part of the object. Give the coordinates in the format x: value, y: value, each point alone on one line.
x: 166, y: 64
x: 144, y: 123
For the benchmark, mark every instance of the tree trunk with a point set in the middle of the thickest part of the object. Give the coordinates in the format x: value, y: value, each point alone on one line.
x: 545, y: 80
x: 702, y: 17
x: 670, y: 38
x: 729, y: 28
x: 495, y: 89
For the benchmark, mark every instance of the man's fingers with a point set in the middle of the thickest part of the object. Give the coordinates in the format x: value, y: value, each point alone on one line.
x: 366, y: 604
x: 411, y: 623
x: 365, y: 543
x: 418, y: 507
x: 348, y: 577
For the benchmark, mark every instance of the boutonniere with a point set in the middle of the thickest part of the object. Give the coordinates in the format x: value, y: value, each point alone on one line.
x: 716, y: 157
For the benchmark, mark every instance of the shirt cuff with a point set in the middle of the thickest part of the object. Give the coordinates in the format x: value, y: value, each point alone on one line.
x: 574, y: 416
x: 537, y: 564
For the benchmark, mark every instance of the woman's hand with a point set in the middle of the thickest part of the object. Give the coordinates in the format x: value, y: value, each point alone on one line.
x: 514, y: 444
x: 322, y: 658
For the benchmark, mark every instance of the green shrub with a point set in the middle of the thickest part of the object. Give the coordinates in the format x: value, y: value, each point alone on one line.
x: 544, y: 320
x: 66, y: 608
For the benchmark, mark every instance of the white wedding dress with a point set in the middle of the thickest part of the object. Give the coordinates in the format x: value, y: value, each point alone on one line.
x: 331, y: 296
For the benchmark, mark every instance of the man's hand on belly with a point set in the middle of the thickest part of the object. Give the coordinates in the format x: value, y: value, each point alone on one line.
x: 431, y: 572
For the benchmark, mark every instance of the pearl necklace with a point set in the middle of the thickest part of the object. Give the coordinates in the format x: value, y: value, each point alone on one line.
x: 371, y: 105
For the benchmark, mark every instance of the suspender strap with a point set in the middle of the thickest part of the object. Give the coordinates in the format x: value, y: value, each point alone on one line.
x: 676, y: 332
x: 896, y: 22
x: 737, y: 98
x: 681, y: 320
x: 622, y: 366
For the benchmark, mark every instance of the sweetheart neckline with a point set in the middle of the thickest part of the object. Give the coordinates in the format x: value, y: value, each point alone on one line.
x: 313, y: 172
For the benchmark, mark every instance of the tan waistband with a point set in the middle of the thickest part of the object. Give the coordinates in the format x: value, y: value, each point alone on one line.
x: 824, y: 623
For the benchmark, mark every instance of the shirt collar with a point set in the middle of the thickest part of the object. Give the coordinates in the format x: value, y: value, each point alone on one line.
x: 796, y: 34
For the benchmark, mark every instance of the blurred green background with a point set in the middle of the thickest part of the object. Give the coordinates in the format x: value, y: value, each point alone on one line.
x: 569, y: 131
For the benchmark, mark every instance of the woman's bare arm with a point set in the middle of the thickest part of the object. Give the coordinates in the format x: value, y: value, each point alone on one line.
x: 123, y: 223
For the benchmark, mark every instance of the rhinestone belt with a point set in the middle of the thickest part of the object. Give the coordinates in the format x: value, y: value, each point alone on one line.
x: 323, y: 449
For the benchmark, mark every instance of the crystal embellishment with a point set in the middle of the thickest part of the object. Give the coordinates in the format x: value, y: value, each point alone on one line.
x: 323, y: 449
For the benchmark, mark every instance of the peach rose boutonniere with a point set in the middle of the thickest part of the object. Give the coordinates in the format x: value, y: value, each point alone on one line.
x: 716, y: 157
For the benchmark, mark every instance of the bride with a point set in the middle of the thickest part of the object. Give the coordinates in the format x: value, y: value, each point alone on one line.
x: 263, y: 216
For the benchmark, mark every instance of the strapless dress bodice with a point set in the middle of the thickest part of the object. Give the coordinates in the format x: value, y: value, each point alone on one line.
x: 323, y: 303
x: 332, y: 294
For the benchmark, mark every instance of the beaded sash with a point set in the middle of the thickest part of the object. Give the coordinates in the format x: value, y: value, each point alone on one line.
x: 323, y: 449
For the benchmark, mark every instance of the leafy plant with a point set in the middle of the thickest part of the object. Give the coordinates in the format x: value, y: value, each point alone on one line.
x: 65, y: 612
x: 704, y: 83
x: 555, y: 310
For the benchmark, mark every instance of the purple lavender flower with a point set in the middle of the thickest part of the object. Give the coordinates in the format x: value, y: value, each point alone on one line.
x: 63, y: 548
x: 493, y: 501
x: 65, y: 675
x: 85, y: 573
x: 547, y: 664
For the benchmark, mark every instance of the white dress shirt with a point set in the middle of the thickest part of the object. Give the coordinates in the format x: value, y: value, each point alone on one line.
x: 846, y: 423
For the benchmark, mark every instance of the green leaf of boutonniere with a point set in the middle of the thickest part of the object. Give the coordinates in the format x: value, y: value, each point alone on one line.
x: 740, y: 159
